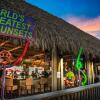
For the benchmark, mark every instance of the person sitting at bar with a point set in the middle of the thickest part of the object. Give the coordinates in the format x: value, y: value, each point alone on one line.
x: 45, y: 74
x: 15, y: 75
x: 33, y: 75
x: 11, y: 74
x: 26, y: 74
x: 22, y: 74
x: 70, y: 78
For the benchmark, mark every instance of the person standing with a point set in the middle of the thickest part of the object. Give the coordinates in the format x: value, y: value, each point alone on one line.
x: 70, y: 78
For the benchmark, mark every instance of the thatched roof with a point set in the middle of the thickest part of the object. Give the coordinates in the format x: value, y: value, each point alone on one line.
x: 51, y: 30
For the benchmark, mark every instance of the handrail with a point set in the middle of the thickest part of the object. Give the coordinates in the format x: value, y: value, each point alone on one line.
x: 58, y: 93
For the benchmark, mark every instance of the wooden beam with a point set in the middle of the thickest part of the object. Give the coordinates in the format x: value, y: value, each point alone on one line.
x: 62, y: 77
x: 59, y: 76
x: 54, y: 69
x: 90, y: 72
x: 38, y: 55
x: 15, y: 48
x: 4, y: 43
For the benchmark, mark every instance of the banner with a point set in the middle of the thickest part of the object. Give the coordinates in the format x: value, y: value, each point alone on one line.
x: 15, y: 24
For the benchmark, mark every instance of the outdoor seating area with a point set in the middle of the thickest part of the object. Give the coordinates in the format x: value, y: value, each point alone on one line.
x: 24, y: 87
x: 41, y: 53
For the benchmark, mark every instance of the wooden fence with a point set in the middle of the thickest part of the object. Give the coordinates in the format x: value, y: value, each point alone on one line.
x: 89, y: 92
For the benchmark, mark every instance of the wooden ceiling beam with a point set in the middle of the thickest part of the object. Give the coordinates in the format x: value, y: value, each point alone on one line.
x: 15, y: 48
x: 3, y: 43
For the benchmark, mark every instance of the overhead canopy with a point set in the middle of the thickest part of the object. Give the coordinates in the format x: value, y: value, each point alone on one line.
x: 52, y: 31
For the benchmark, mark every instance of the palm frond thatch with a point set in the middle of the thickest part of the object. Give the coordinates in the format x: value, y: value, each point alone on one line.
x: 51, y: 30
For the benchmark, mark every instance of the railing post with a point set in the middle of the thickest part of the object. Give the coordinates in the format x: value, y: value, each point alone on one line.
x: 64, y: 97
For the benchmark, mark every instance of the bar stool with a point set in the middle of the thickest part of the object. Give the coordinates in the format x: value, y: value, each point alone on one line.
x: 36, y: 85
x: 29, y: 85
x: 43, y: 83
x: 10, y: 87
x: 22, y: 87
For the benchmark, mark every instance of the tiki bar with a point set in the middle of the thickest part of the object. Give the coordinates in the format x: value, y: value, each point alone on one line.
x: 42, y: 57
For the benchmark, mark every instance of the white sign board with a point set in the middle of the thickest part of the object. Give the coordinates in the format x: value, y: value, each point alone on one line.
x: 58, y: 75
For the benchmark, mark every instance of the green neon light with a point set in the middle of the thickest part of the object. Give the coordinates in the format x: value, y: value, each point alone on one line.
x: 84, y: 81
x: 79, y: 66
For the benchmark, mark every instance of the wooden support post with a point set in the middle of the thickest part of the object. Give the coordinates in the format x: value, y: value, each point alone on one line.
x: 3, y: 83
x: 90, y: 72
x: 59, y: 76
x: 93, y: 72
x: 54, y: 69
x: 62, y: 80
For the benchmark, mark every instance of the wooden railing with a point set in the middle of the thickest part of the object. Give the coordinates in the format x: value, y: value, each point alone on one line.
x: 89, y: 92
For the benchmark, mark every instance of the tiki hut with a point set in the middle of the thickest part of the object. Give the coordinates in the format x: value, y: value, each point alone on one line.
x: 52, y: 37
x: 51, y: 31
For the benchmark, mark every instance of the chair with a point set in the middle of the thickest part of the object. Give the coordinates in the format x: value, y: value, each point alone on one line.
x: 9, y: 87
x: 36, y: 85
x: 22, y: 87
x: 29, y: 85
x: 43, y: 83
x: 48, y: 86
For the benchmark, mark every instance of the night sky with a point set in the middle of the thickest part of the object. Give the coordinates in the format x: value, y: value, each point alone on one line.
x: 85, y: 14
